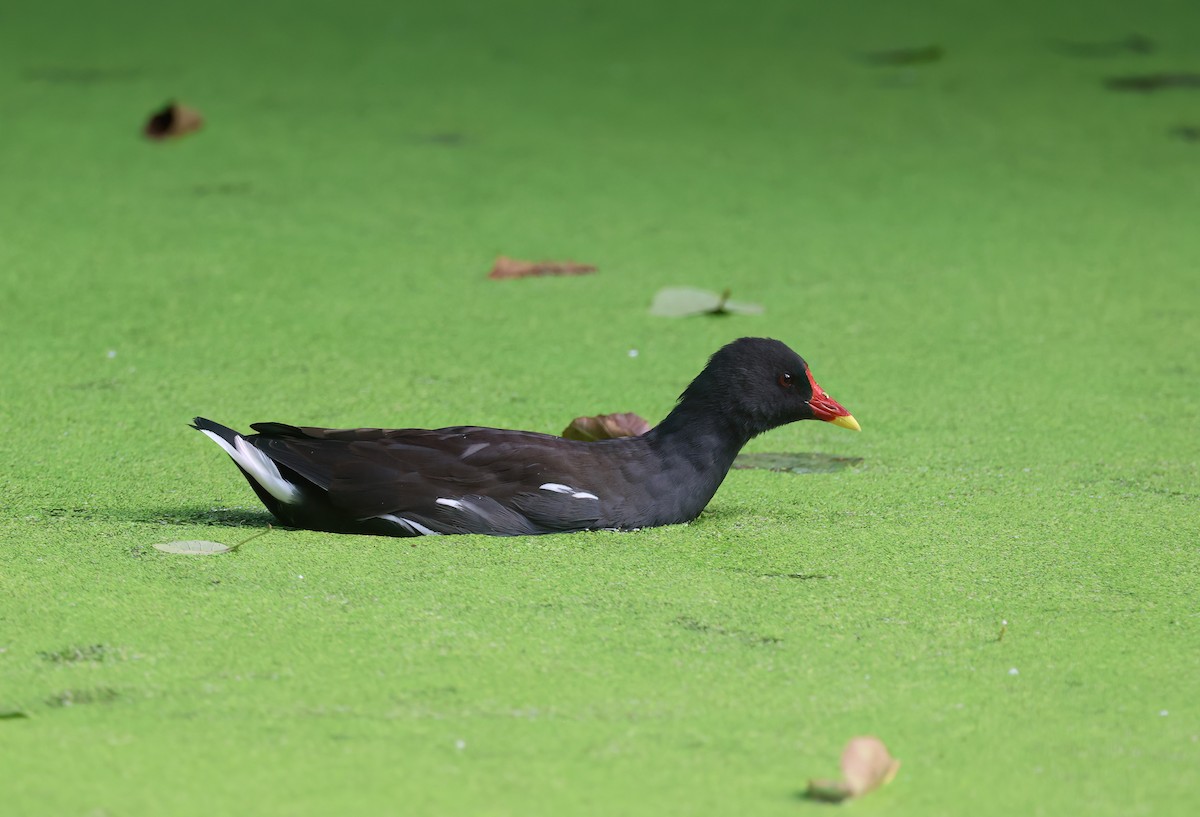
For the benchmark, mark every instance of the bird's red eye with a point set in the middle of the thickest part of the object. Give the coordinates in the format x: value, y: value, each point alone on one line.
x: 785, y: 380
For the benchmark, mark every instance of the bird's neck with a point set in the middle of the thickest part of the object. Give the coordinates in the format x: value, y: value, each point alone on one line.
x: 711, y: 439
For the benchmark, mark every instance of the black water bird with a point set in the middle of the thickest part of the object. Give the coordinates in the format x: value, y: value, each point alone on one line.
x: 468, y: 479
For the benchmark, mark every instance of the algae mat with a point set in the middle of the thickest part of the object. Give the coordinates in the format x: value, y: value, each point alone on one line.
x: 988, y: 254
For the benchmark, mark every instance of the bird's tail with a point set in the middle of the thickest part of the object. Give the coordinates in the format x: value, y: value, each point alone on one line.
x: 258, y: 467
x: 209, y: 427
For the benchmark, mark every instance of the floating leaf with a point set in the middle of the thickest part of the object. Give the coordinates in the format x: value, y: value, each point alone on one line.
x: 866, y: 765
x: 1148, y: 83
x: 506, y: 267
x: 801, y: 462
x: 606, y: 427
x: 682, y: 302
x: 200, y: 547
x: 172, y: 121
x: 922, y: 55
x: 194, y: 547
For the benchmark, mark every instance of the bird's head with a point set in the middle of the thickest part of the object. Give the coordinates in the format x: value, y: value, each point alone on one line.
x: 760, y: 384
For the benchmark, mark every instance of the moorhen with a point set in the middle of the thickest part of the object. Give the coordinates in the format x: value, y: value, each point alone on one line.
x: 466, y: 479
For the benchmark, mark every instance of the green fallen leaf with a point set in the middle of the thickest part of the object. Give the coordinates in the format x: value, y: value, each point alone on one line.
x: 682, y: 302
x: 200, y: 547
x: 193, y: 547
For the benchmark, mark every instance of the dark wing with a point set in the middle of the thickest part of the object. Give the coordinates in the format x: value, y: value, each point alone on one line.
x: 464, y: 479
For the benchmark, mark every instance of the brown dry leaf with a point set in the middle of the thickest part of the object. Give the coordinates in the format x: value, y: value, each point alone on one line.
x: 506, y: 267
x: 606, y: 427
x: 172, y: 121
x: 866, y: 765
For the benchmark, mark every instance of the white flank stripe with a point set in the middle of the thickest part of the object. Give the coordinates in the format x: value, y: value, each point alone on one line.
x: 472, y: 448
x: 259, y: 466
x: 453, y: 503
x: 583, y: 495
x: 409, y: 525
x: 558, y: 488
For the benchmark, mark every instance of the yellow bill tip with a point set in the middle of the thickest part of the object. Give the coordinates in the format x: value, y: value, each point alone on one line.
x: 846, y: 421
